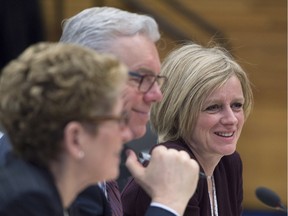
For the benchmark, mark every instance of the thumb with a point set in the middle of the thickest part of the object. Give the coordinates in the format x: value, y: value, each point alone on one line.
x: 135, y: 168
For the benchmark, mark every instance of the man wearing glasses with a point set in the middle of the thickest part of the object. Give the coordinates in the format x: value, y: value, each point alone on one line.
x: 131, y: 38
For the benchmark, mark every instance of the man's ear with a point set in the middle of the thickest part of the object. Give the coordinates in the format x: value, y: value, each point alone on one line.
x: 72, y: 140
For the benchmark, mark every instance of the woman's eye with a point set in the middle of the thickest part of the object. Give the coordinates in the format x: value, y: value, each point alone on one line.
x: 237, y: 106
x: 214, y: 107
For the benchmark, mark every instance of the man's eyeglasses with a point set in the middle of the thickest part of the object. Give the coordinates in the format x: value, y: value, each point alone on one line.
x: 146, y: 82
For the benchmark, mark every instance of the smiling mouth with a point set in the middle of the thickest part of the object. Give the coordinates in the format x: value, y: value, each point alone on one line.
x: 222, y: 134
x: 140, y: 112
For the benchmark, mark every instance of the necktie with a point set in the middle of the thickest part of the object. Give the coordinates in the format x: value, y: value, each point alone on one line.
x: 114, y: 198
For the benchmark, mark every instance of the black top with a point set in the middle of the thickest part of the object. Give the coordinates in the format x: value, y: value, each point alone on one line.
x: 228, y: 182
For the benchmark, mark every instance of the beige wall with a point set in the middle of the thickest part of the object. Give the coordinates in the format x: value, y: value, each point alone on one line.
x: 256, y: 30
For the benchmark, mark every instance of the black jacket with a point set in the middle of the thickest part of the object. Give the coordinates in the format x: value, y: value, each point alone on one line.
x: 26, y: 189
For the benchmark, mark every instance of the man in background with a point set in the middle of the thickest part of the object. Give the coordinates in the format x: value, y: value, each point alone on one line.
x: 131, y: 38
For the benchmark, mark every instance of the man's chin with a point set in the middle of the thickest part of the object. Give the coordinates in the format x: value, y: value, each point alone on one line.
x: 138, y: 132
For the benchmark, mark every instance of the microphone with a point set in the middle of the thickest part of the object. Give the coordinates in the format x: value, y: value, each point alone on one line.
x: 270, y: 198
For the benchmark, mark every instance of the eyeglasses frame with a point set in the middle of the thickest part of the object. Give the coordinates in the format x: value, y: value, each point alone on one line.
x: 142, y: 77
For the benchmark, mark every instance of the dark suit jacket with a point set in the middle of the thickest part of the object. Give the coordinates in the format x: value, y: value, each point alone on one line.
x: 5, y: 147
x: 228, y: 181
x: 92, y: 202
x: 19, y: 180
x: 27, y: 190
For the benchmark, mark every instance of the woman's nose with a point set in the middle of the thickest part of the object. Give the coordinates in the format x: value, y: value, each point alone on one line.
x: 229, y: 117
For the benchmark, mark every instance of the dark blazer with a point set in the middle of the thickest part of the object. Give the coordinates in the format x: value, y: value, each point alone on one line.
x: 5, y: 147
x: 228, y: 181
x: 26, y: 189
x: 19, y: 180
x: 92, y: 202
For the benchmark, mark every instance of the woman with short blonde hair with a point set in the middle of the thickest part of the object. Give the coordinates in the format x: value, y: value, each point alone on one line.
x: 204, y: 107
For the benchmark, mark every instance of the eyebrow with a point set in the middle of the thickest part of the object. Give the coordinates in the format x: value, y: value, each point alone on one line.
x: 241, y: 99
x: 144, y: 71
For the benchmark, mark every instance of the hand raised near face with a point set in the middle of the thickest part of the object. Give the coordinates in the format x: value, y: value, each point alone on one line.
x: 170, y: 178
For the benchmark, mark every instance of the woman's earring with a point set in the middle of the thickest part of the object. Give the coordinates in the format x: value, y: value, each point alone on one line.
x: 81, y: 154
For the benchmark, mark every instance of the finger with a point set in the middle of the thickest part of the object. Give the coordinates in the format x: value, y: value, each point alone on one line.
x: 184, y: 155
x: 135, y: 168
x: 159, y: 150
x: 195, y: 165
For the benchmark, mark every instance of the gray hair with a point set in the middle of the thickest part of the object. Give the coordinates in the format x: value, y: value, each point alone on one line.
x: 193, y: 72
x: 97, y: 27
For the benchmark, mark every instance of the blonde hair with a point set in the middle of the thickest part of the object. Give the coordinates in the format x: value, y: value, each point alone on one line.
x: 48, y: 86
x: 193, y: 72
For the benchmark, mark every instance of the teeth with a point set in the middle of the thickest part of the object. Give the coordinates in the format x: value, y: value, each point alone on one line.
x: 225, y: 134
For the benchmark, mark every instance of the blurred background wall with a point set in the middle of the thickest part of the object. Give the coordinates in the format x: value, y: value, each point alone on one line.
x: 254, y: 31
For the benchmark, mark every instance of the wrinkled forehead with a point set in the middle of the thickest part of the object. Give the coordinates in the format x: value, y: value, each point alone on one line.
x: 137, y: 52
